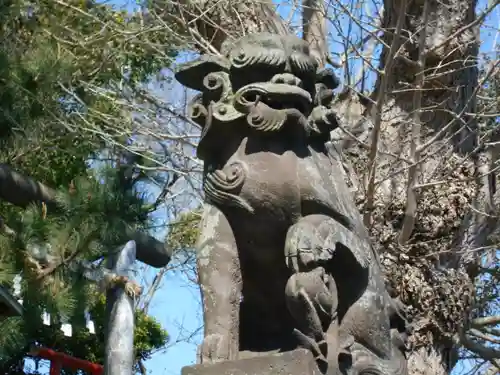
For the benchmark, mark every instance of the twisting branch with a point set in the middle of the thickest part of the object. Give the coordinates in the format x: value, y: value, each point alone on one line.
x: 483, y: 336
x: 488, y: 320
x: 485, y: 352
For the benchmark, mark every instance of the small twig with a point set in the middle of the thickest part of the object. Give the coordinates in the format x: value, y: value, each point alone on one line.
x: 488, y: 320
x: 483, y: 336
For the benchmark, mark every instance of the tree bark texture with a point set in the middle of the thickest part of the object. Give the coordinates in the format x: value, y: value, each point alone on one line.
x: 433, y: 183
x: 432, y: 194
x: 208, y: 24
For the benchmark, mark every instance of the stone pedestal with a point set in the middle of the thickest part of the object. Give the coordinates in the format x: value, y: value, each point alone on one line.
x: 296, y: 362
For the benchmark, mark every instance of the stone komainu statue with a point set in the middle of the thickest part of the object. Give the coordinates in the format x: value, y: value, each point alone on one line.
x: 284, y: 260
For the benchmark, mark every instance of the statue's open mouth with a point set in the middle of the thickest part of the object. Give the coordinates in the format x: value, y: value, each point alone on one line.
x: 277, y: 96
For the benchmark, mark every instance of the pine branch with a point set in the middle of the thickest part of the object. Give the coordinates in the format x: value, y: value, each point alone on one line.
x: 21, y: 191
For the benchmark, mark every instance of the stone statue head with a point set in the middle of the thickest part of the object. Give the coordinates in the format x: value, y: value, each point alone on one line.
x: 262, y: 85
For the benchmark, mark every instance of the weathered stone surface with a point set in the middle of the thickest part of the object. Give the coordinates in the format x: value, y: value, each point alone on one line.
x: 284, y: 260
x: 296, y: 362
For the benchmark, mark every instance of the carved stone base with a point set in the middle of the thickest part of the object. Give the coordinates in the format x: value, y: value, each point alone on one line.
x: 296, y: 362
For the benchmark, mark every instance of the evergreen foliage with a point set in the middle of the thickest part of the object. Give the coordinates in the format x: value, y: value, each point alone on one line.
x: 149, y: 337
x: 90, y: 221
x: 63, y: 67
x: 184, y: 231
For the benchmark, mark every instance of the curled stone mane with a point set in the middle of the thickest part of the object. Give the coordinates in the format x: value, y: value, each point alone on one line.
x: 284, y: 260
x: 269, y: 50
x: 257, y: 56
x: 219, y: 84
x: 271, y: 81
x: 222, y: 187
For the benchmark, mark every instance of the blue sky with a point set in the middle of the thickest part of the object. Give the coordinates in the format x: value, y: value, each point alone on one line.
x: 177, y: 304
x: 177, y: 307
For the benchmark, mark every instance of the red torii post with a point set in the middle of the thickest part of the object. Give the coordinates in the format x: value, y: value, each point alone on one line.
x: 60, y: 360
x: 119, y: 348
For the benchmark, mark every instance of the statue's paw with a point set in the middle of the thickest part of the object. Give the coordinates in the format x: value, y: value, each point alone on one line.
x: 215, y: 348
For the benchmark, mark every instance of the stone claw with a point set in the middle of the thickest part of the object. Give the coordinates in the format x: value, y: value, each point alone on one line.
x: 318, y: 349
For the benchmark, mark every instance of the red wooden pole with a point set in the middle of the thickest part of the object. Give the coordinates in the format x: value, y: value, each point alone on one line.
x: 55, y: 367
x: 59, y: 360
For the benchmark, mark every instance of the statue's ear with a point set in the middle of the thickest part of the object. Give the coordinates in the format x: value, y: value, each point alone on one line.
x: 191, y: 74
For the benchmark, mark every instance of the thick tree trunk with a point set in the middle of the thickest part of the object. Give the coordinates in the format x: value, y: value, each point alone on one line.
x: 208, y: 24
x: 433, y: 195
x: 428, y: 170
